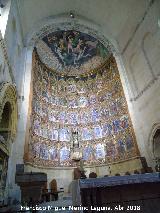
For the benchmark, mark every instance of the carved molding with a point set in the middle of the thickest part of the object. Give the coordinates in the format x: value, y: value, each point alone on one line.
x: 138, y: 26
x: 155, y: 127
x: 132, y: 74
x: 4, y: 49
x: 8, y: 94
x: 149, y: 85
x: 146, y: 56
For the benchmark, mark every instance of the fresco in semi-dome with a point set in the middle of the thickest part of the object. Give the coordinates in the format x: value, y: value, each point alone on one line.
x: 92, y: 106
x: 71, y: 51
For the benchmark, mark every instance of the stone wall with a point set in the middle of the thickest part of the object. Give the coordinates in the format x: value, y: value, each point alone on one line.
x: 141, y: 58
x: 64, y: 176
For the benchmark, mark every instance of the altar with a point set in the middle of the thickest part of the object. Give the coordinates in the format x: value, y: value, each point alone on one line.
x: 32, y: 185
x: 139, y: 192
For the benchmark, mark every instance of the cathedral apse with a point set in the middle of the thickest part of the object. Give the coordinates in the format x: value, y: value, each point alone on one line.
x: 89, y: 102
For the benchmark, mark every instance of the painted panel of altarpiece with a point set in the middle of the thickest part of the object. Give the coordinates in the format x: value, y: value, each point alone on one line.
x: 93, y: 105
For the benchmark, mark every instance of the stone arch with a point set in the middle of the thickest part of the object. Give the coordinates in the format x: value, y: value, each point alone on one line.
x: 79, y: 23
x: 147, y: 35
x: 131, y: 66
x: 8, y: 98
x: 62, y: 22
x: 8, y: 123
x: 154, y: 141
x: 151, y: 51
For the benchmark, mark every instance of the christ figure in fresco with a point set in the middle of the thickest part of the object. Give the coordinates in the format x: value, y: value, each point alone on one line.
x: 53, y: 153
x: 87, y: 153
x: 100, y: 151
x: 64, y: 154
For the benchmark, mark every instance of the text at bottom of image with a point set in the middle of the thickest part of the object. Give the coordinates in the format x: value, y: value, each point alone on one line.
x: 84, y: 208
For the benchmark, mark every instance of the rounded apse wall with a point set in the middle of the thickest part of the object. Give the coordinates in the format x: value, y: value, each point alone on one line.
x: 91, y: 103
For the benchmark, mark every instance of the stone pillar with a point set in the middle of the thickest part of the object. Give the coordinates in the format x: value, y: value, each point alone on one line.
x: 17, y: 147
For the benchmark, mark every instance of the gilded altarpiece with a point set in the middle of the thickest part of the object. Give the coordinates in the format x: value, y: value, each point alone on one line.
x: 91, y: 104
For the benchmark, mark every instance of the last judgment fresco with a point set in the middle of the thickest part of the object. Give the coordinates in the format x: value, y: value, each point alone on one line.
x: 92, y: 105
x: 71, y: 52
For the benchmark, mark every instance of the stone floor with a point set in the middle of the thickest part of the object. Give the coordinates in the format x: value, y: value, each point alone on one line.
x: 63, y: 205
